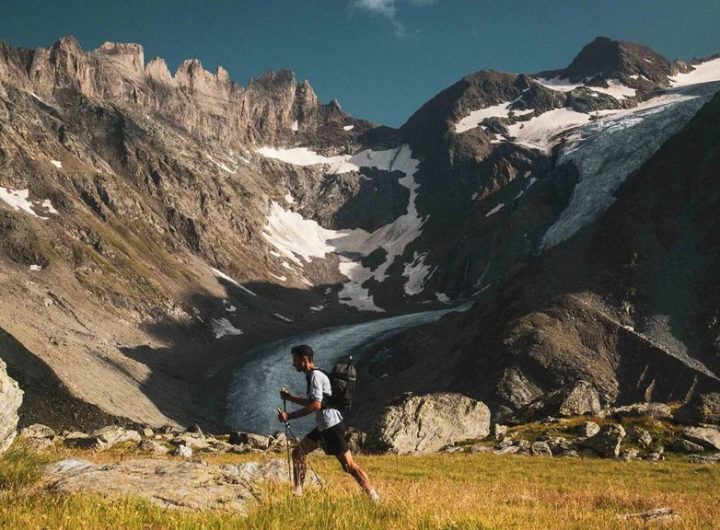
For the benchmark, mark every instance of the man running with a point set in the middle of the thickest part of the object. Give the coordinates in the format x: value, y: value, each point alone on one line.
x: 330, y: 431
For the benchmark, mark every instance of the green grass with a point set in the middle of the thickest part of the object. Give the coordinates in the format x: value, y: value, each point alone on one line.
x: 20, y: 467
x: 446, y: 491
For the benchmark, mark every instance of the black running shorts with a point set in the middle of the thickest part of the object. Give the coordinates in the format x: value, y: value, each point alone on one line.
x: 332, y: 440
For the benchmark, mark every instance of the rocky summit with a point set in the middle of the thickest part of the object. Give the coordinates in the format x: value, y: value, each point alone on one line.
x: 156, y: 227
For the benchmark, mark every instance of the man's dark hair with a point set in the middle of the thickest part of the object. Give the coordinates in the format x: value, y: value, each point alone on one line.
x: 303, y: 350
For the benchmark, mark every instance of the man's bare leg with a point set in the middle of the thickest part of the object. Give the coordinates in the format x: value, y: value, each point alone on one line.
x: 305, y: 447
x: 350, y: 466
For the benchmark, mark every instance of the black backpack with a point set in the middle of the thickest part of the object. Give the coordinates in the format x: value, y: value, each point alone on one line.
x: 342, y: 383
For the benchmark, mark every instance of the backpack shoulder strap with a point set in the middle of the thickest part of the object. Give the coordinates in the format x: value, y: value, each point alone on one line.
x: 308, y: 377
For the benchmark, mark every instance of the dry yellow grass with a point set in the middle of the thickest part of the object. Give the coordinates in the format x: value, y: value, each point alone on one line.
x: 445, y: 491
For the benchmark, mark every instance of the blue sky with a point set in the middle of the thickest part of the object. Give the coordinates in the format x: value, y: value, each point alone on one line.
x: 382, y: 59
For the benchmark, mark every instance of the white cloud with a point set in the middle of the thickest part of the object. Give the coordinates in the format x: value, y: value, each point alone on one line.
x: 388, y: 8
x: 384, y: 7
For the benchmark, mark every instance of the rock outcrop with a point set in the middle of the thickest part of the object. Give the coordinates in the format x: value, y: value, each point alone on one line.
x: 208, y: 105
x: 706, y: 437
x: 702, y: 408
x: 574, y: 400
x: 430, y: 422
x: 10, y: 400
x: 607, y: 441
x: 169, y: 484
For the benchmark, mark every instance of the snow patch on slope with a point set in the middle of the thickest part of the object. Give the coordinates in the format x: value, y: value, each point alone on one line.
x: 222, y: 327
x: 495, y: 210
x: 615, y: 88
x: 18, y: 200
x: 416, y: 272
x: 706, y: 72
x: 221, y: 165
x: 556, y: 83
x: 299, y: 239
x: 542, y: 131
x: 476, y: 117
x: 233, y: 282
x: 295, y: 237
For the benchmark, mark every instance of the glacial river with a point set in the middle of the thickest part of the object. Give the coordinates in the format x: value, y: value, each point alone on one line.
x: 254, y: 392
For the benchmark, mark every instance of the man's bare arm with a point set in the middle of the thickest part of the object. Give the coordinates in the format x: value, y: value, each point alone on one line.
x: 311, y: 407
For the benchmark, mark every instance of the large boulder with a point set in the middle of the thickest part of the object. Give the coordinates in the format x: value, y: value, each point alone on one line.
x: 576, y: 399
x: 37, y: 430
x: 256, y: 441
x: 607, y: 441
x: 708, y: 438
x: 191, y: 440
x: 38, y: 437
x: 113, y: 434
x: 587, y: 429
x: 686, y: 446
x: 702, y: 408
x: 10, y: 400
x: 81, y: 440
x: 430, y: 422
x: 154, y: 447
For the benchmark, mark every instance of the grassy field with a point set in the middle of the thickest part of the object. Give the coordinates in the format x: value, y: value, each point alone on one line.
x: 442, y: 491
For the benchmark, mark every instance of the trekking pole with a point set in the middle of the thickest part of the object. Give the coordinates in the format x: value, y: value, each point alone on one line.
x: 305, y: 456
x: 287, y: 444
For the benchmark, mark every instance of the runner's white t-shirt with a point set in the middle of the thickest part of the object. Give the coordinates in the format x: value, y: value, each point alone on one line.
x: 319, y: 385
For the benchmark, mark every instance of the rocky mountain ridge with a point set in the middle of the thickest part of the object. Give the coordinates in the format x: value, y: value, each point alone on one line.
x: 271, y: 108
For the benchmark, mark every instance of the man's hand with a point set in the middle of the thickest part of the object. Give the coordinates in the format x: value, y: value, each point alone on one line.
x: 282, y: 416
x: 285, y: 395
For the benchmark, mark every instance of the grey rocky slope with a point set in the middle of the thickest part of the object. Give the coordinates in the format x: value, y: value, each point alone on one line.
x: 153, y: 225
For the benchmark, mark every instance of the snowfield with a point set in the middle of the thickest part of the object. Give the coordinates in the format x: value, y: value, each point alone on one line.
x: 706, y: 72
x: 542, y: 132
x: 300, y: 239
x: 615, y: 88
x: 475, y: 118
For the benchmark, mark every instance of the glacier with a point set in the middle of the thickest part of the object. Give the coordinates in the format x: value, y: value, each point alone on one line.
x: 608, y: 150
